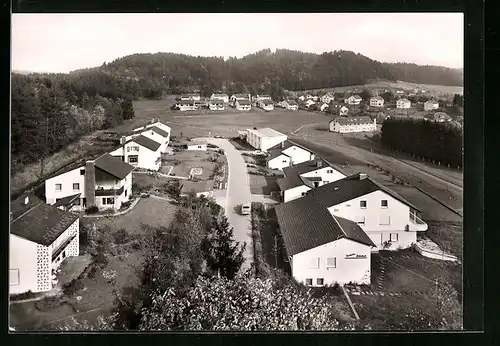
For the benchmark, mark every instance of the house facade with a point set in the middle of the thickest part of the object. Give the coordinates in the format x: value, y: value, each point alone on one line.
x: 343, y: 111
x: 353, y: 100
x: 403, y: 104
x: 287, y: 154
x: 302, y: 97
x: 105, y: 182
x: 290, y: 105
x: 388, y: 219
x: 279, y: 161
x: 194, y: 97
x: 348, y: 125
x: 140, y: 152
x: 186, y: 105
x: 199, y: 146
x: 236, y: 97
x: 324, y: 107
x: 243, y: 105
x: 265, y: 138
x: 221, y: 97
x: 377, y: 101
x: 309, y: 103
x: 431, y: 105
x: 323, y: 249
x: 327, y: 98
x: 266, y: 104
x: 216, y: 105
x: 41, y: 238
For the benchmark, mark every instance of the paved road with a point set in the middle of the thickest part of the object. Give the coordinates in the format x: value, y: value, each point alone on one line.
x: 238, y: 192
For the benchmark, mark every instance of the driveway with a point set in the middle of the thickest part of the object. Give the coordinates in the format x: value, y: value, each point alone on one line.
x: 238, y: 192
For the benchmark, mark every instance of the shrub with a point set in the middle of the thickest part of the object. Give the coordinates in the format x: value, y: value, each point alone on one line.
x: 23, y: 296
x: 92, y: 210
x: 48, y: 303
x: 126, y: 204
x: 120, y: 236
x: 92, y: 271
x: 176, y: 162
x: 72, y: 287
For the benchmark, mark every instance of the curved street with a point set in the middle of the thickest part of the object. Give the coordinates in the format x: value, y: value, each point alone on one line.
x: 238, y: 192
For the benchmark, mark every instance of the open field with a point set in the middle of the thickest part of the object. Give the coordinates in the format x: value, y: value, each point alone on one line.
x: 435, y: 89
x: 96, y: 291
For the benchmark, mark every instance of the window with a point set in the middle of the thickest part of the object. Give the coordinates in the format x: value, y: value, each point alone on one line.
x: 362, y: 204
x: 385, y: 220
x: 393, y: 237
x: 82, y: 172
x: 125, y: 193
x: 77, y: 201
x: 108, y: 200
x: 360, y: 220
x: 331, y: 262
x: 76, y: 186
x: 199, y: 146
x: 303, y: 193
x: 329, y: 171
x: 284, y: 161
x: 383, y: 203
x: 58, y: 187
x: 14, y: 277
x: 347, y: 205
x: 320, y: 281
x: 309, y: 282
x: 314, y: 263
x: 133, y: 159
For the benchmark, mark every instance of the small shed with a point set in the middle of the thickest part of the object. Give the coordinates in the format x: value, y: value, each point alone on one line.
x: 197, y: 145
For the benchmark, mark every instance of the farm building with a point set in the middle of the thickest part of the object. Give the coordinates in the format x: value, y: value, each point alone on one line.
x: 41, y: 238
x: 265, y: 138
x: 357, y: 124
x: 323, y: 249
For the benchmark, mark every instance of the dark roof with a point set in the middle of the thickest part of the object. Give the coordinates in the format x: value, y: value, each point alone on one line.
x: 289, y: 182
x: 145, y: 142
x: 274, y: 153
x: 312, y: 178
x: 66, y: 200
x: 353, y: 121
x: 39, y: 222
x: 292, y: 173
x: 244, y: 102
x: 291, y: 102
x: 351, y: 187
x: 305, y: 224
x: 267, y: 102
x: 160, y: 131
x: 113, y: 166
x: 286, y: 144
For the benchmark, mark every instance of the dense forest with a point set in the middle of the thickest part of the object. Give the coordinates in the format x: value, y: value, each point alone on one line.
x: 50, y: 111
x: 439, y: 142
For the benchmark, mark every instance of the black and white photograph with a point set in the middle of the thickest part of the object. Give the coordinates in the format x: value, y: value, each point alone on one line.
x: 243, y: 172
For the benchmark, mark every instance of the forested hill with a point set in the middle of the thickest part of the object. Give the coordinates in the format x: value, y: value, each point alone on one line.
x: 436, y: 75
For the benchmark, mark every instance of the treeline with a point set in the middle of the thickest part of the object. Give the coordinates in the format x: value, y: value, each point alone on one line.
x: 155, y: 75
x: 439, y: 142
x: 49, y: 111
x: 436, y: 75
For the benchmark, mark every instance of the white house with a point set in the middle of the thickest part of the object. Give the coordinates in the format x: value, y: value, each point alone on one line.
x: 186, y: 105
x: 377, y: 101
x: 290, y: 105
x: 323, y: 107
x: 105, y: 182
x: 353, y: 100
x: 309, y: 103
x: 216, y: 105
x: 431, y: 105
x: 323, y: 249
x: 403, y: 103
x: 266, y: 104
x: 156, y: 131
x: 141, y: 152
x: 287, y: 154
x: 41, y: 238
x: 194, y: 97
x: 305, y: 176
x: 236, y: 97
x: 400, y: 92
x: 221, y: 97
x: 311, y: 97
x: 343, y: 110
x: 265, y: 138
x: 243, y: 105
x: 197, y: 145
x: 327, y: 98
x: 258, y: 98
x: 441, y: 117
x: 383, y: 214
x: 302, y: 98
x: 357, y: 124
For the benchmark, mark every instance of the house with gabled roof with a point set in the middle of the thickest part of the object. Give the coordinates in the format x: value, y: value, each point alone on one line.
x: 141, y: 152
x: 41, y: 238
x: 353, y: 100
x: 384, y: 215
x: 266, y: 104
x: 352, y: 124
x: 324, y: 107
x: 327, y: 98
x: 155, y: 130
x: 186, y: 105
x: 377, y: 101
x: 431, y: 105
x: 194, y: 97
x: 403, y: 103
x: 221, y: 97
x: 286, y: 154
x: 105, y: 182
x: 216, y: 105
x: 242, y: 105
x: 305, y: 176
x: 323, y: 249
x: 236, y: 97
x: 290, y: 105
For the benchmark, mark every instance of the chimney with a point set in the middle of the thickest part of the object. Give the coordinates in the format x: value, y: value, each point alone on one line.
x: 362, y: 176
x: 319, y: 163
x: 123, y: 140
x: 282, y: 145
x: 90, y: 183
x: 26, y: 200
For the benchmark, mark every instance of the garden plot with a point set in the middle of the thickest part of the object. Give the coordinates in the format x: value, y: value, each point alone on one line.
x: 183, y: 163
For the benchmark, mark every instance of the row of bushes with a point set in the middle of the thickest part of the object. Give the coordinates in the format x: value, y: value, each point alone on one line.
x: 434, y: 141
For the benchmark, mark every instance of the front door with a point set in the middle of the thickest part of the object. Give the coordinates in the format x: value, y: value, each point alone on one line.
x: 84, y: 202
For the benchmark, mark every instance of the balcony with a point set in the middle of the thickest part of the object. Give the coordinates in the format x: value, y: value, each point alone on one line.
x: 62, y: 247
x: 416, y: 224
x: 108, y: 192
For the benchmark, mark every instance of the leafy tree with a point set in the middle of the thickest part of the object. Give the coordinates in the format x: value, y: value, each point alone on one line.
x: 366, y: 94
x: 388, y: 96
x: 222, y: 253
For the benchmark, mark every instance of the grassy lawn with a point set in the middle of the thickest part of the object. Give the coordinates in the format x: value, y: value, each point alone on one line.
x: 184, y: 161
x: 448, y: 235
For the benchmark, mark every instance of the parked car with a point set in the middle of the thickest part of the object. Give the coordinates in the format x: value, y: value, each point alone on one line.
x: 218, y: 136
x: 246, y: 208
x: 259, y: 153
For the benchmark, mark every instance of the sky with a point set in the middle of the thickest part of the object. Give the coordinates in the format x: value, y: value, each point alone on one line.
x: 66, y: 42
